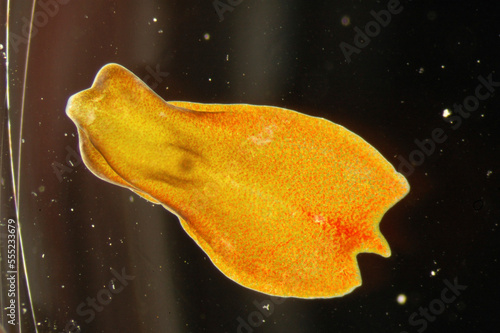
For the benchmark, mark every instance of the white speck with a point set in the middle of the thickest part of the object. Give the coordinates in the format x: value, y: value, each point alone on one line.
x: 264, y: 137
x: 160, y: 31
x: 43, y: 255
x: 488, y: 173
x: 443, y: 66
x: 401, y: 299
x: 433, y: 273
x: 319, y: 219
x: 155, y: 19
x: 89, y: 116
x: 421, y: 70
x: 446, y: 113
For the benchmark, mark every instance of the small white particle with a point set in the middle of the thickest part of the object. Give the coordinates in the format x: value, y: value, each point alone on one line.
x: 446, y: 113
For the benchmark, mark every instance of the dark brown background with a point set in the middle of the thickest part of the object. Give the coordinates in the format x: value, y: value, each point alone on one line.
x: 282, y: 53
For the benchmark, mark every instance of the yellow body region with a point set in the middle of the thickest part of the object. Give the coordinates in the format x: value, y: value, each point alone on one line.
x: 280, y: 201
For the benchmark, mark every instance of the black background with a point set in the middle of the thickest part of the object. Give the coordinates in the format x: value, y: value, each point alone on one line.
x: 281, y: 53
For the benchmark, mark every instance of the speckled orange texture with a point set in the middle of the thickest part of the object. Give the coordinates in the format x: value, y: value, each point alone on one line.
x: 281, y: 202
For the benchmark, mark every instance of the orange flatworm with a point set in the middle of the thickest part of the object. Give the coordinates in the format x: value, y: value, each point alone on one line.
x: 280, y: 201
